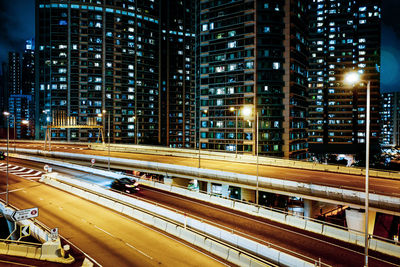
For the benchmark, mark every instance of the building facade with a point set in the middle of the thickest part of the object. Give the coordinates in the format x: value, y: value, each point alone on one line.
x: 253, y: 56
x: 177, y: 73
x: 96, y: 56
x: 344, y: 36
x: 390, y: 114
x: 28, y: 89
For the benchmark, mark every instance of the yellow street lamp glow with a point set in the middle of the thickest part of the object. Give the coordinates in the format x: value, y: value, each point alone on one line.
x: 26, y: 122
x: 99, y: 115
x: 247, y: 111
x: 5, y: 113
x: 231, y: 108
x: 352, y: 78
x: 104, y: 111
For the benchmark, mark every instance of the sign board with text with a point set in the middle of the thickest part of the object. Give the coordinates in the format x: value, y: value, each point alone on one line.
x: 25, y: 214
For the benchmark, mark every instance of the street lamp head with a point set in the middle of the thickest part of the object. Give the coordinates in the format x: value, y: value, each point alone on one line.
x: 352, y: 78
x: 6, y: 113
x: 99, y: 115
x: 26, y: 122
x: 232, y: 109
x: 247, y: 111
x: 104, y: 111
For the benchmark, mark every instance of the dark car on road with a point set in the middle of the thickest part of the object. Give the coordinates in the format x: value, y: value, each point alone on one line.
x: 126, y: 185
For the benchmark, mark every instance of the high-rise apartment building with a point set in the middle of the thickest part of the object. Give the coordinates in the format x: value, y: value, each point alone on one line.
x: 253, y: 55
x: 130, y: 60
x: 28, y: 88
x: 344, y: 36
x: 94, y: 56
x: 390, y: 114
x: 177, y: 73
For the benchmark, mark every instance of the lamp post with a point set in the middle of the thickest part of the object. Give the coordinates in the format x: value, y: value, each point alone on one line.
x: 352, y: 78
x: 236, y: 129
x: 108, y: 133
x: 247, y: 111
x: 7, y: 114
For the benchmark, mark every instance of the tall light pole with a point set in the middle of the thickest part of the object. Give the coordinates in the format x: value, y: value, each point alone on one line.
x: 7, y: 114
x: 236, y: 129
x: 247, y: 112
x: 353, y: 78
x: 15, y: 147
x: 108, y: 133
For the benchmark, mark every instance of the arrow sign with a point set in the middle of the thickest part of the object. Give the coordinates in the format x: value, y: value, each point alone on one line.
x: 24, y: 214
x: 25, y: 231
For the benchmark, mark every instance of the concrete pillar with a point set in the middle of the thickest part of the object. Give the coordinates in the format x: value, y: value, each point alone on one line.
x: 248, y: 195
x: 356, y: 220
x: 307, y: 211
x: 225, y: 190
x: 208, y: 188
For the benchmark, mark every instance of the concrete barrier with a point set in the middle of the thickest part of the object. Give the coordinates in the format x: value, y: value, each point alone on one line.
x: 34, y: 252
x: 296, y: 222
x: 313, y: 227
x: 16, y: 249
x: 336, y: 233
x: 289, y: 260
x: 3, y: 248
x: 388, y: 248
x: 219, y: 250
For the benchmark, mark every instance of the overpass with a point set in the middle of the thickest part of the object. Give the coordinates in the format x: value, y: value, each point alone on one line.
x: 309, y: 184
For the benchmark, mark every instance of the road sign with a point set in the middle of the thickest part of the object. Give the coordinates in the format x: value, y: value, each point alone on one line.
x: 25, y: 214
x: 25, y: 231
x: 93, y: 161
x: 54, y: 233
x: 46, y: 167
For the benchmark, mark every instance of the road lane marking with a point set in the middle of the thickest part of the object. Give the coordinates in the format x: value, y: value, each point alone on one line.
x: 104, y: 231
x: 138, y: 250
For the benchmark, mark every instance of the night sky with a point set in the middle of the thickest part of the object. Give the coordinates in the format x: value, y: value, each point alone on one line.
x: 17, y: 24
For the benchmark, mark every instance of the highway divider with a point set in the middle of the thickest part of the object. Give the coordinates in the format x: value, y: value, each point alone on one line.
x: 348, y: 196
x: 229, y: 244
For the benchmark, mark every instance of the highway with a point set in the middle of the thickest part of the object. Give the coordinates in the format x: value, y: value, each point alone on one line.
x: 107, y: 236
x: 309, y: 244
x: 389, y: 187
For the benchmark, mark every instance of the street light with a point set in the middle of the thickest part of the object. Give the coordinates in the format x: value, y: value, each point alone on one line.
x: 247, y: 111
x: 236, y: 129
x: 108, y: 133
x: 352, y: 78
x: 7, y: 114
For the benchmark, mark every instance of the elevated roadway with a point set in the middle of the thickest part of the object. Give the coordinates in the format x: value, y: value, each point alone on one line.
x: 300, y: 241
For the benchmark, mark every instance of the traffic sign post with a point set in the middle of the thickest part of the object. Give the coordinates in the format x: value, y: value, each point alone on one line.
x: 24, y: 214
x: 92, y: 161
x: 54, y: 233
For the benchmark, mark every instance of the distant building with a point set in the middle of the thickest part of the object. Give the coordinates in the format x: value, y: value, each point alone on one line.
x: 253, y: 54
x: 344, y: 36
x: 390, y: 114
x: 28, y: 87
